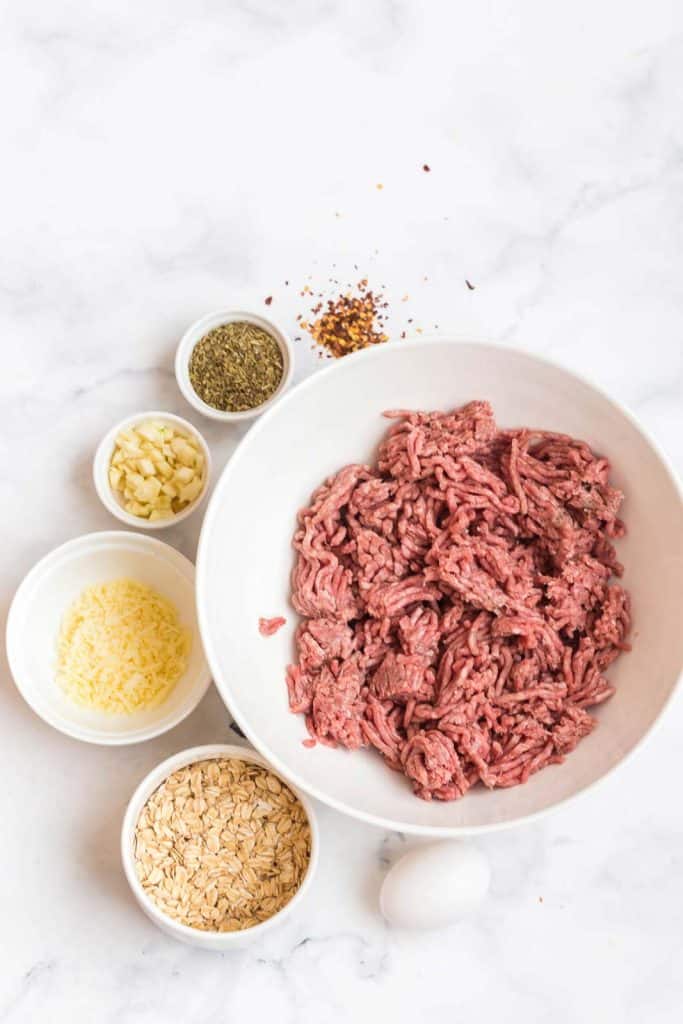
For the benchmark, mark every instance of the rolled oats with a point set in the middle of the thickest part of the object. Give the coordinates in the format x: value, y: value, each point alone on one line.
x: 222, y: 845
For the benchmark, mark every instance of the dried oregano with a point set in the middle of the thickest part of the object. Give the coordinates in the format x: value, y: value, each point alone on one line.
x: 236, y: 366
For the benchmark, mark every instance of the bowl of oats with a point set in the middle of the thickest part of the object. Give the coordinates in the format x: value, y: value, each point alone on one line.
x: 217, y: 847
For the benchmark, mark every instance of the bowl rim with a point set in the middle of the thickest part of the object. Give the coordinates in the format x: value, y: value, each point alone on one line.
x: 145, y: 788
x: 32, y: 580
x: 102, y: 459
x: 413, y: 343
x: 195, y: 333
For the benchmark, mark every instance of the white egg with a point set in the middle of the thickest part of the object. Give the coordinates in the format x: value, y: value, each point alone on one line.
x: 432, y: 886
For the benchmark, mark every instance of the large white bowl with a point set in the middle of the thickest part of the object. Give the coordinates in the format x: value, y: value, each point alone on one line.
x: 334, y: 418
x: 45, y: 595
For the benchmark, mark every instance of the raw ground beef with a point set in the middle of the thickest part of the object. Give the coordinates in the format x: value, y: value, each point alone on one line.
x: 268, y: 627
x: 457, y: 600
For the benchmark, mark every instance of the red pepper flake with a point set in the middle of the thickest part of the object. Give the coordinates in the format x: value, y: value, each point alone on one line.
x: 403, y: 334
x: 269, y: 300
x: 470, y: 286
x: 352, y: 321
x: 426, y: 167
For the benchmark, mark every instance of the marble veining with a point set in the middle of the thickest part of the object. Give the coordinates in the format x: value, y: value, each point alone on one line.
x: 165, y: 159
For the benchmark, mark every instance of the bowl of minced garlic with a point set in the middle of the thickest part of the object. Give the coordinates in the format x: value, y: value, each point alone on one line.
x: 217, y: 847
x: 152, y: 470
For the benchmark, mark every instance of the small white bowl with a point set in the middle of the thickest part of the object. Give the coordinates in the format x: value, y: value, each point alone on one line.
x: 35, y: 619
x: 102, y: 461
x: 202, y: 327
x: 218, y: 941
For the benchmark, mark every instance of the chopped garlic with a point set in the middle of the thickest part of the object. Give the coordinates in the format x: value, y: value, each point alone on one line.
x: 183, y: 452
x: 190, y: 491
x: 146, y: 467
x: 156, y: 470
x: 160, y: 513
x: 183, y: 475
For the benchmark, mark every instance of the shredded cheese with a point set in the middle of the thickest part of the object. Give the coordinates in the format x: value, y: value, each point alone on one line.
x: 121, y: 648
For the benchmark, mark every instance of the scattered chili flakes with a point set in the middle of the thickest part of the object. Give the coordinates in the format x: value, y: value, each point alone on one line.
x: 470, y: 286
x: 269, y: 300
x: 352, y: 321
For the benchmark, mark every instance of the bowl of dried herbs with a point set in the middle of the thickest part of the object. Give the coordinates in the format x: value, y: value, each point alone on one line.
x: 232, y: 365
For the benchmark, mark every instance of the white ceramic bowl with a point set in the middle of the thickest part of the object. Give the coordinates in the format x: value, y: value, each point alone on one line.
x: 45, y: 595
x: 333, y: 418
x: 113, y: 501
x: 197, y: 331
x: 219, y: 941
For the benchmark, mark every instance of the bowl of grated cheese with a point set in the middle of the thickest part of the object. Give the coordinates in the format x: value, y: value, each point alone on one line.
x: 103, y: 641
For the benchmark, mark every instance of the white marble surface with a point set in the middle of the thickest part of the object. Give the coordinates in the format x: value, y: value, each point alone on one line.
x: 161, y: 159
